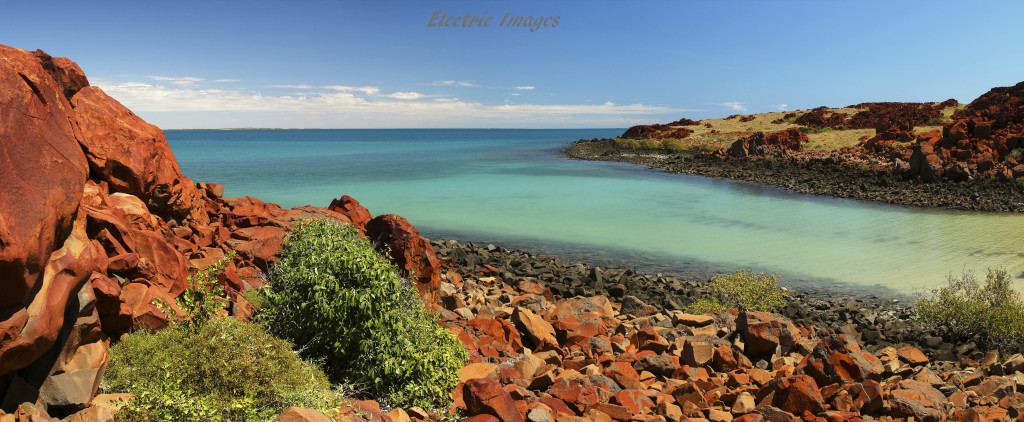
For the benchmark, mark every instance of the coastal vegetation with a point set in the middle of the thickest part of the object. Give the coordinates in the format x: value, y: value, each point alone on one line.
x: 744, y: 290
x: 346, y: 305
x: 990, y: 311
x: 206, y: 366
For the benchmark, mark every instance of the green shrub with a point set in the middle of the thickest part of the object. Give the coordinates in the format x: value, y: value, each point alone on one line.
x: 1019, y: 181
x: 630, y: 143
x: 746, y: 290
x: 202, y: 301
x: 705, y: 306
x: 650, y: 144
x: 332, y: 294
x: 675, y: 145
x: 1016, y: 153
x: 810, y: 130
x: 223, y: 370
x: 990, y: 312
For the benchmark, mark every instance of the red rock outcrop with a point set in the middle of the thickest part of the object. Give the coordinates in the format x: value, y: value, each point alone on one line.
x: 133, y: 156
x: 661, y: 131
x: 780, y: 143
x: 409, y: 251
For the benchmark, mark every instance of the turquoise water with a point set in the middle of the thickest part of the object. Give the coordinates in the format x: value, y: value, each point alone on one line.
x: 511, y: 187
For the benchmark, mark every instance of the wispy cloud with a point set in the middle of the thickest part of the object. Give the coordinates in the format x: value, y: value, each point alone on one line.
x: 226, y: 80
x: 734, y: 105
x: 782, y: 107
x: 406, y: 95
x: 183, y: 81
x: 468, y: 84
x: 525, y: 88
x: 361, y: 106
x: 299, y: 86
x: 368, y: 90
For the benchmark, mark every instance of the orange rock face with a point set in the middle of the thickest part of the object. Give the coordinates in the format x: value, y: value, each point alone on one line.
x: 409, y: 251
x: 133, y: 156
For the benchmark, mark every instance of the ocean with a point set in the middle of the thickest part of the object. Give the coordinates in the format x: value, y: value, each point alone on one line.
x: 511, y: 188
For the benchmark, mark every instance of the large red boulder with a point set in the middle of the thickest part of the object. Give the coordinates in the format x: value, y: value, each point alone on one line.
x: 409, y: 251
x: 44, y: 253
x: 764, y: 332
x: 350, y: 207
x: 42, y: 171
x: 795, y: 394
x: 839, y: 359
x: 133, y: 156
x: 485, y: 396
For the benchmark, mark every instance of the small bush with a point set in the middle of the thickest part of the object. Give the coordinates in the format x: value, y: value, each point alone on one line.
x: 650, y: 144
x: 676, y: 145
x: 1019, y: 181
x: 746, y: 290
x: 810, y: 130
x: 705, y: 306
x: 332, y: 294
x: 990, y: 312
x: 202, y: 301
x: 1016, y: 153
x: 630, y: 143
x: 223, y: 370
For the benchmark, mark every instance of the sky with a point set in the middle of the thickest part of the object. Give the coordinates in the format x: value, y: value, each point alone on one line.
x: 605, y: 64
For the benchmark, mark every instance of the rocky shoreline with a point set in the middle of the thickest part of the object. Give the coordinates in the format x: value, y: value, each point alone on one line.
x: 815, y: 177
x: 877, y: 322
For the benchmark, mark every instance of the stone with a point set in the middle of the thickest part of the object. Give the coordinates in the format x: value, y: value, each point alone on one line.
x: 478, y: 370
x: 347, y: 205
x: 43, y: 172
x: 912, y: 356
x: 410, y: 252
x: 839, y: 359
x: 298, y: 414
x: 539, y: 415
x: 133, y: 156
x: 485, y: 396
x: 794, y: 394
x: 633, y: 400
x: 537, y: 331
x: 743, y: 404
x: 764, y: 332
x: 918, y: 400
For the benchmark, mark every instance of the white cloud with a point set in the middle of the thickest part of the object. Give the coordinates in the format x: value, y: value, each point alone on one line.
x: 782, y: 107
x: 406, y: 95
x: 515, y: 93
x: 525, y: 88
x: 468, y: 84
x: 368, y: 90
x: 735, y: 105
x: 184, y: 81
x: 299, y: 86
x: 226, y: 80
x: 350, y: 106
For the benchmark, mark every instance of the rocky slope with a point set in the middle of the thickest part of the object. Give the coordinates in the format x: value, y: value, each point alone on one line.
x: 96, y: 221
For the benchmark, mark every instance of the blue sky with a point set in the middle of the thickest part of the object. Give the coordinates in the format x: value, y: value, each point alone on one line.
x: 373, y: 64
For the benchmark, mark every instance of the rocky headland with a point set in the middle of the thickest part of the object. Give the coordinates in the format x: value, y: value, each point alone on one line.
x: 97, y: 221
x: 973, y: 161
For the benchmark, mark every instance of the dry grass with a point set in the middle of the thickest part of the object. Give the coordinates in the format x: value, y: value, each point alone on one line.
x: 729, y: 130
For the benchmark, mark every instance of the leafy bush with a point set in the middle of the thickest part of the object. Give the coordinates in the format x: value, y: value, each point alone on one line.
x: 223, y: 370
x: 810, y: 130
x: 332, y: 294
x: 746, y: 290
x: 202, y: 301
x: 675, y: 145
x: 1016, y: 153
x: 1019, y: 181
x: 630, y: 143
x: 650, y: 144
x: 705, y: 306
x: 990, y: 312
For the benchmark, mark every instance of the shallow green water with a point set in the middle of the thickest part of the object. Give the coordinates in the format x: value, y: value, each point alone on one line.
x: 510, y: 187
